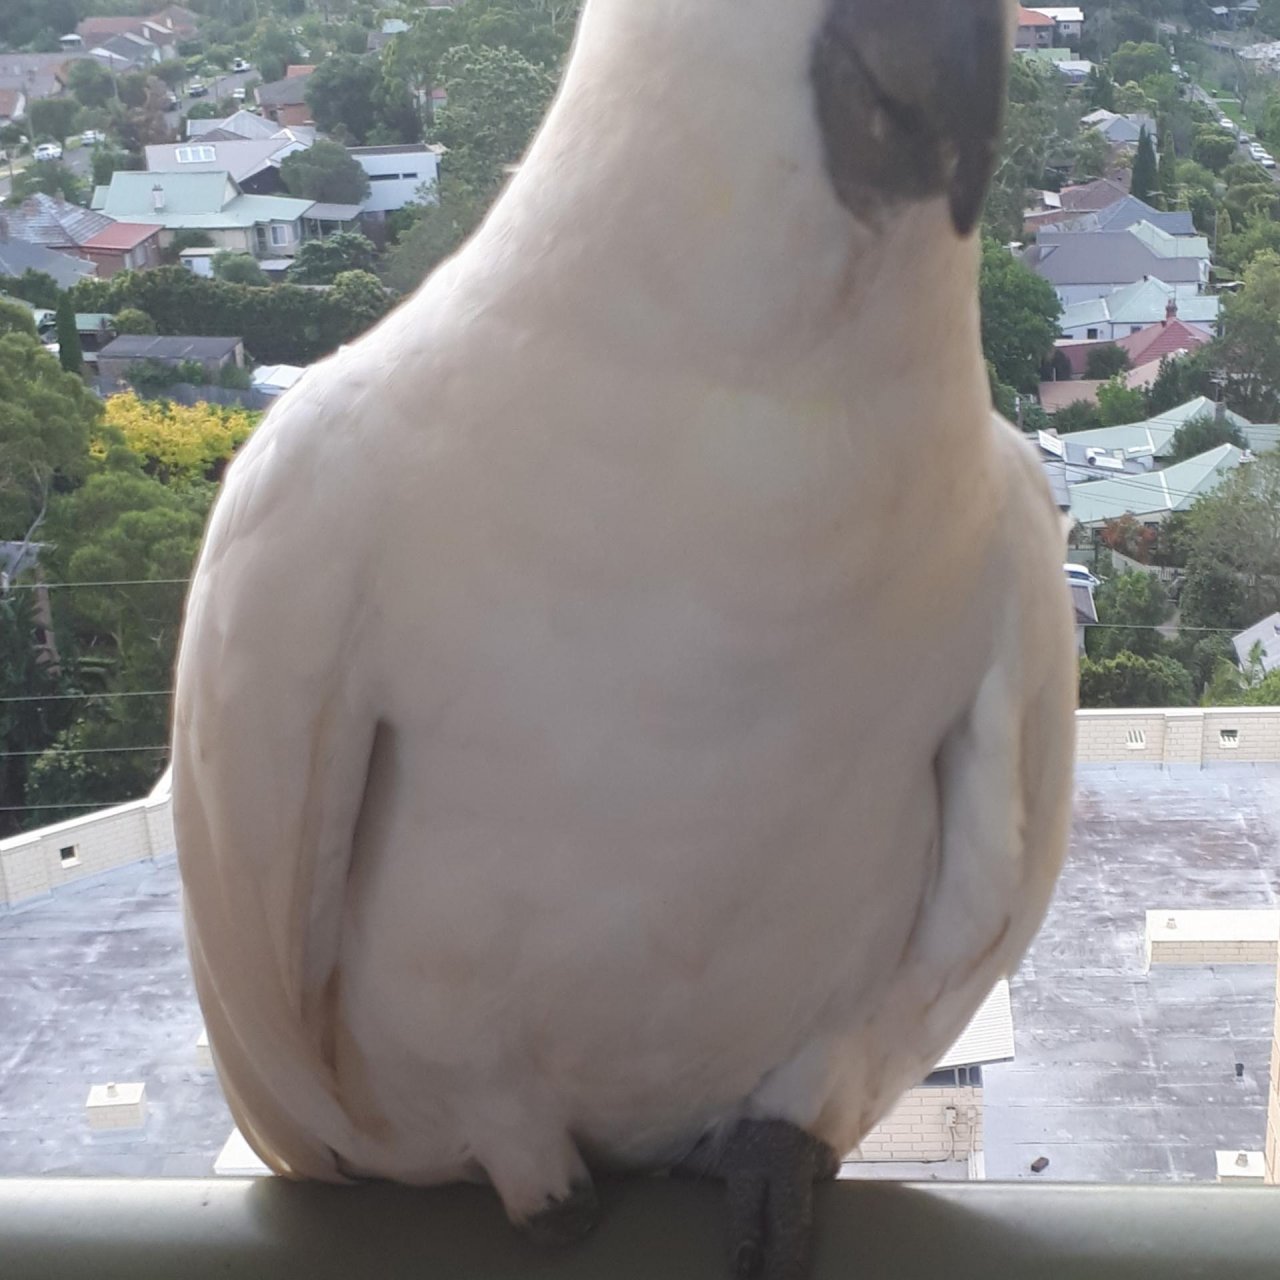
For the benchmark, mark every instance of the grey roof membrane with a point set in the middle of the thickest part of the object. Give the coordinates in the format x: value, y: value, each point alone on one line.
x: 1120, y: 1075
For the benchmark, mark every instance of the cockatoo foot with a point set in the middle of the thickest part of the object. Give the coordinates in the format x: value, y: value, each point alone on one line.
x: 565, y: 1219
x: 769, y: 1168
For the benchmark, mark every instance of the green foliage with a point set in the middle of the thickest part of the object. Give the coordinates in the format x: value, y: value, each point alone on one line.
x: 1100, y: 90
x: 1146, y: 177
x: 45, y: 419
x: 1118, y: 404
x: 1080, y: 416
x: 1133, y: 62
x: 1020, y: 312
x: 1248, y: 353
x: 1130, y: 605
x: 131, y: 320
x: 188, y: 239
x: 1167, y: 171
x: 70, y: 354
x: 439, y: 229
x: 35, y: 287
x: 1105, y: 362
x: 1128, y: 680
x: 1202, y: 434
x: 281, y: 325
x: 1180, y: 379
x: 47, y: 177
x: 15, y: 318
x: 1213, y: 149
x: 108, y: 161
x: 22, y: 22
x: 352, y: 97
x: 239, y: 268
x: 322, y: 261
x: 325, y: 171
x: 52, y: 117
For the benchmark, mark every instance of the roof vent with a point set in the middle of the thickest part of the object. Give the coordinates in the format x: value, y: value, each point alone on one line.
x: 1135, y: 739
x: 1229, y: 739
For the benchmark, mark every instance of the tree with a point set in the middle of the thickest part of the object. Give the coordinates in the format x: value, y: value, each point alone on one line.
x: 47, y: 177
x: 1118, y: 404
x: 1133, y: 62
x: 1213, y: 149
x: 15, y: 318
x: 1079, y: 416
x: 1020, y: 312
x: 321, y: 261
x: 35, y: 287
x: 1179, y: 380
x: 340, y: 95
x: 1128, y: 680
x: 1091, y: 156
x: 108, y: 161
x: 177, y: 442
x: 496, y: 98
x: 1100, y: 89
x: 361, y: 296
x: 90, y: 82
x: 1248, y: 353
x: 131, y: 320
x: 45, y: 420
x: 1130, y: 605
x: 325, y: 171
x: 1105, y: 362
x: 1146, y: 175
x: 1167, y: 174
x: 52, y: 117
x: 70, y: 355
x: 1202, y: 434
x: 438, y: 231
x: 239, y: 268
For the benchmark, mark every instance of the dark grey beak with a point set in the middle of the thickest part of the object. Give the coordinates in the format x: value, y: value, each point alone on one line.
x: 910, y: 97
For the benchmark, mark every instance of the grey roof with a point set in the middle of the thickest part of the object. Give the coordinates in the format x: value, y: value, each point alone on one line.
x: 36, y: 74
x: 145, y: 346
x: 129, y: 48
x: 1113, y: 258
x: 1123, y: 1075
x: 1119, y: 1075
x: 242, y: 158
x: 1266, y: 633
x: 289, y: 92
x: 334, y: 212
x: 1124, y: 214
x: 16, y: 256
x: 243, y: 124
x: 51, y: 221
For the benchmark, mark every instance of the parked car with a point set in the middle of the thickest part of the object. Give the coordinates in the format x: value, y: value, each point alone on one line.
x: 1267, y: 162
x: 92, y: 138
x: 47, y: 151
x: 240, y: 65
x: 197, y: 89
x: 238, y: 93
x: 1079, y: 575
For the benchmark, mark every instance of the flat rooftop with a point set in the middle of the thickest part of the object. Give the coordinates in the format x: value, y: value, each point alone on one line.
x: 1120, y: 1075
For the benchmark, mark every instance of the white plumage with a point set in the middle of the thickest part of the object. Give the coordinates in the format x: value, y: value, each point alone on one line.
x: 632, y: 687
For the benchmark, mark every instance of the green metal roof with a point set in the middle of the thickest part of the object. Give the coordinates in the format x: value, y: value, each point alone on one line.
x: 200, y: 201
x: 1154, y: 493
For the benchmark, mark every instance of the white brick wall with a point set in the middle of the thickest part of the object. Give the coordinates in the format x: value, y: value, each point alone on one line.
x: 1214, y: 735
x: 916, y: 1130
x: 32, y: 864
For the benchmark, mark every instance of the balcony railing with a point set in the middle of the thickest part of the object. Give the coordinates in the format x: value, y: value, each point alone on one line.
x: 107, y: 1229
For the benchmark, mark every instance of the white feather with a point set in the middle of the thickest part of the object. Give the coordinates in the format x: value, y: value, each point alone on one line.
x: 632, y: 687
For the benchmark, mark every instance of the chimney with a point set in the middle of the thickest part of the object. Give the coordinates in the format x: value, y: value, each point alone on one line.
x: 157, y: 197
x: 1171, y: 309
x: 1220, y: 412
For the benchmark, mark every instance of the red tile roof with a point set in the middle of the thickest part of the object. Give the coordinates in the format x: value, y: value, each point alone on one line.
x: 1091, y: 197
x: 1159, y: 340
x: 1033, y: 18
x: 121, y: 236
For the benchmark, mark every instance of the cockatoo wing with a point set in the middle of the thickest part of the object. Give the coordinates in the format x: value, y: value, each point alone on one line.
x: 267, y: 790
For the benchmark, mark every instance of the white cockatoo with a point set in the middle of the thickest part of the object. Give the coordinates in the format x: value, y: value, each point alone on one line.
x: 624, y: 714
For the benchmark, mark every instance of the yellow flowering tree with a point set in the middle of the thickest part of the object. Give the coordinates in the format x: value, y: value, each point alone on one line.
x: 176, y: 442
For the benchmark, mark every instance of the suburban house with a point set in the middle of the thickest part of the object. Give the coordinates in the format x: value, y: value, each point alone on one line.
x: 124, y: 246
x: 128, y: 52
x: 245, y: 124
x: 13, y: 105
x: 1154, y: 497
x: 52, y: 222
x: 1084, y: 265
x: 1068, y: 25
x: 1124, y: 213
x: 1261, y: 640
x: 1079, y: 463
x: 156, y: 32
x: 212, y: 354
x: 275, y: 379
x: 17, y: 256
x: 1035, y: 30
x: 285, y: 101
x: 391, y: 27
x: 266, y: 226
x: 37, y: 75
x: 1137, y: 307
x: 253, y: 164
x: 397, y: 176
x: 1154, y: 438
x: 1122, y: 130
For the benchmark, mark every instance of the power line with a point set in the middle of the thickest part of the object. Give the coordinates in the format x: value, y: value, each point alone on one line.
x: 123, y: 582
x: 69, y: 697
x: 101, y: 804
x: 78, y: 751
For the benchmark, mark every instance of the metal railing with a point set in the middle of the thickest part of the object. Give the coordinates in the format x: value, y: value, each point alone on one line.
x: 268, y: 1229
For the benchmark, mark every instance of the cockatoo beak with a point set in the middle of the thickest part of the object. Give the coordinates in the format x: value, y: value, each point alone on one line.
x: 909, y: 98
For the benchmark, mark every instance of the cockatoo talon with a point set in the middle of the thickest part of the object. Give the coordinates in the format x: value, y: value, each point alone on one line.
x: 565, y: 1219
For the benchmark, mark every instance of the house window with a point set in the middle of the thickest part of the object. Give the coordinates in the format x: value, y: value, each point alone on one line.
x: 1229, y: 739
x: 281, y: 233
x: 195, y: 155
x: 1135, y: 328
x: 68, y: 857
x: 1091, y: 333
